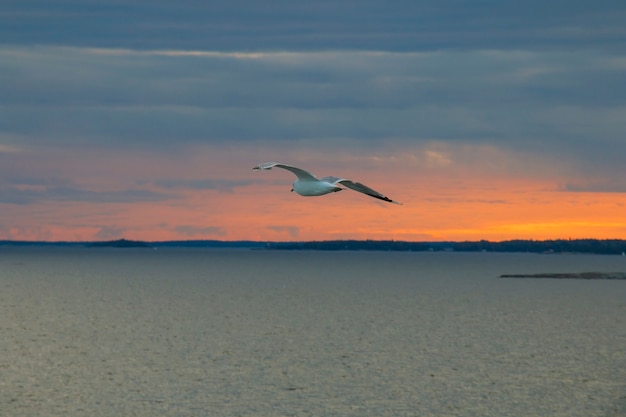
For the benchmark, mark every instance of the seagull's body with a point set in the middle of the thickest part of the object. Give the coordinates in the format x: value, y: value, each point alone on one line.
x: 309, y: 185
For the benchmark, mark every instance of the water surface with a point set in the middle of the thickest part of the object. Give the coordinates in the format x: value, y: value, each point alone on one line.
x: 196, y: 332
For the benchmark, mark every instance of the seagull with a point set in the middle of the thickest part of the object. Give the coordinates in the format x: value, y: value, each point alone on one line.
x: 309, y: 185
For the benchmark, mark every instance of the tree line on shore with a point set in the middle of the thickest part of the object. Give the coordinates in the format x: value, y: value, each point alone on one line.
x: 597, y: 246
x: 612, y: 246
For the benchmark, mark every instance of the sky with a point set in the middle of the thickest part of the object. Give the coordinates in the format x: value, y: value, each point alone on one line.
x: 137, y: 119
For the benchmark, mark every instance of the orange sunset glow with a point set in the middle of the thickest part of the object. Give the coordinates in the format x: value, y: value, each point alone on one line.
x: 443, y: 199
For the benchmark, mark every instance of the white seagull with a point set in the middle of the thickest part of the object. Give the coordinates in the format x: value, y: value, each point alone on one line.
x: 309, y: 185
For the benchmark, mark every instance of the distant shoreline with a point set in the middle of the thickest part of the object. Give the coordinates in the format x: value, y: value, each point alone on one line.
x: 558, y: 246
x: 573, y: 275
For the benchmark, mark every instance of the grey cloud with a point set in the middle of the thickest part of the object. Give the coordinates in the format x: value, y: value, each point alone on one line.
x: 33, y: 191
x: 203, y: 184
x: 292, y: 231
x: 201, y: 231
x: 537, y: 76
x: 564, y: 104
x: 109, y: 233
x: 610, y: 186
x: 123, y: 196
x: 205, y: 98
x: 138, y: 85
x: 324, y: 24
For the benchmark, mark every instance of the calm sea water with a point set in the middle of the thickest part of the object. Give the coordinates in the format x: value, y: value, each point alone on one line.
x: 179, y: 332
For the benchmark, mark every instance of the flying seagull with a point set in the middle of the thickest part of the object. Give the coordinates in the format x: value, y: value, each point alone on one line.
x: 308, y: 184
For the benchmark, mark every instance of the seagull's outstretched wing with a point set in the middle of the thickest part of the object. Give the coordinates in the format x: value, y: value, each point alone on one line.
x: 357, y: 186
x: 300, y: 173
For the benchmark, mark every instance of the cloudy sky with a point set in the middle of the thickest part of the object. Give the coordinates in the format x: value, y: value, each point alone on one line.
x: 489, y: 119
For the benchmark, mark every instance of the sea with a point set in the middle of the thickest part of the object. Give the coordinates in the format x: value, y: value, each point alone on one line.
x: 239, y: 332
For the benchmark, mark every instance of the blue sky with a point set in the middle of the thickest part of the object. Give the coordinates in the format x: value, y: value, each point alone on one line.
x: 540, y: 83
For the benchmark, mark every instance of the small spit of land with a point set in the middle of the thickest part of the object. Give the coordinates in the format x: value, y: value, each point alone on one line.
x: 570, y: 275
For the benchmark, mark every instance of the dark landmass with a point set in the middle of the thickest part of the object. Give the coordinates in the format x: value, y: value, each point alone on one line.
x: 573, y: 275
x: 121, y: 243
x: 125, y: 243
x: 595, y: 246
x: 609, y: 246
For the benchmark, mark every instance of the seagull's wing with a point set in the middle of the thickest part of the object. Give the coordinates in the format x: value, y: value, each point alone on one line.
x: 357, y: 186
x: 300, y: 173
